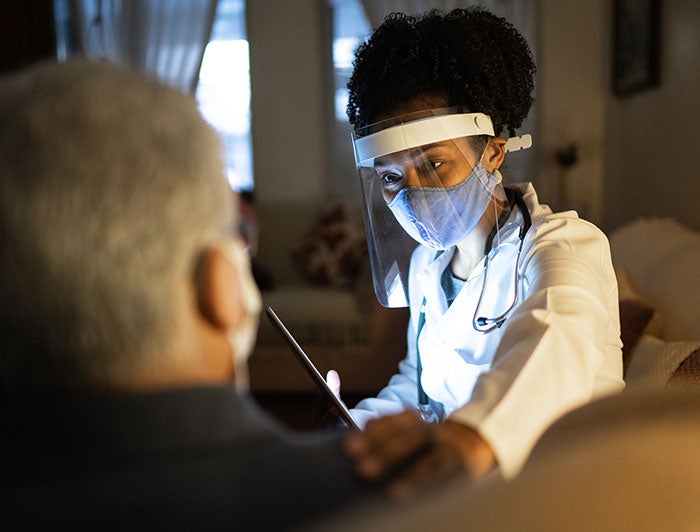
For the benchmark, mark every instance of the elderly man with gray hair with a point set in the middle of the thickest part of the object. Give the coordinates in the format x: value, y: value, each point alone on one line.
x: 127, y: 312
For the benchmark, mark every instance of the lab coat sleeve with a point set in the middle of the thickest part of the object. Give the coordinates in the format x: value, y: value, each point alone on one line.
x: 555, y: 342
x: 399, y: 395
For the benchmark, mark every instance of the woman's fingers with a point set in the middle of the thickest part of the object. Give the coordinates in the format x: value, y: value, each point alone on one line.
x: 410, y: 453
x: 430, y: 468
x: 333, y: 381
x: 387, y: 443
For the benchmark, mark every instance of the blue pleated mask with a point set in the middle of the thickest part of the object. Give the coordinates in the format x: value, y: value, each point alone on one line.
x: 441, y: 217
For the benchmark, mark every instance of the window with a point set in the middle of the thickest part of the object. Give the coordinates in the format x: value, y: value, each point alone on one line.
x: 350, y: 27
x: 223, y: 91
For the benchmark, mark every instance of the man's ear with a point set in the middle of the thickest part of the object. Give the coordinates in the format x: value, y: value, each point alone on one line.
x: 217, y: 286
x: 495, y: 153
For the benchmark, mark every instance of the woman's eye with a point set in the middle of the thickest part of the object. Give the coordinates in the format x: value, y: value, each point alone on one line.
x: 390, y: 179
x: 435, y: 164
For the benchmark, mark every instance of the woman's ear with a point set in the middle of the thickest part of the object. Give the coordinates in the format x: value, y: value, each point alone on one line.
x: 217, y: 286
x: 495, y: 153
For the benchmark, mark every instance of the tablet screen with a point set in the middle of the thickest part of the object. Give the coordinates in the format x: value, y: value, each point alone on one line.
x: 310, y: 368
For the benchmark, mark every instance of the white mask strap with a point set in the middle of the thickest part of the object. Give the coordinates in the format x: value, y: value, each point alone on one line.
x: 242, y: 340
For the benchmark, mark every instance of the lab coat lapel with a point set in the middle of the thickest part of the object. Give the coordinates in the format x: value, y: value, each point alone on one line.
x: 429, y: 282
x: 455, y: 326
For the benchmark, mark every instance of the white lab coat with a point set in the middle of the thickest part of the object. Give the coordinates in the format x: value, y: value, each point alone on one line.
x: 559, y: 347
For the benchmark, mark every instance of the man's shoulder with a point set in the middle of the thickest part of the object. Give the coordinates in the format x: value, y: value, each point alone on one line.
x: 201, y: 453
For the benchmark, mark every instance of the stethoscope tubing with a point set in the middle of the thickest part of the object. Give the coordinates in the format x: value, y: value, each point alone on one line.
x: 483, y: 324
x: 480, y: 323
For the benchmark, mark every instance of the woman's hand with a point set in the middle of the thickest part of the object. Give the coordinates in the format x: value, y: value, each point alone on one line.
x: 333, y: 381
x: 410, y: 453
x: 328, y: 414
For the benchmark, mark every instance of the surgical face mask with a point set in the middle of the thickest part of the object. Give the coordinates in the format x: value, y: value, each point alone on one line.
x: 242, y: 340
x: 441, y: 217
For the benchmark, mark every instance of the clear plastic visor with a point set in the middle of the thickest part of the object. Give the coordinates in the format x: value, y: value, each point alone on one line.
x: 423, y: 184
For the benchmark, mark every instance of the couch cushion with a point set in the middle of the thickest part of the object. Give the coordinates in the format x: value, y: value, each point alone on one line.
x: 655, y: 361
x: 662, y: 257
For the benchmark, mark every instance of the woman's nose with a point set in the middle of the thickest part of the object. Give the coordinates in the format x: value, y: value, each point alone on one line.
x: 416, y: 176
x: 421, y: 176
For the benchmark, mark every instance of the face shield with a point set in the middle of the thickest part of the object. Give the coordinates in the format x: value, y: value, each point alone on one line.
x: 423, y: 183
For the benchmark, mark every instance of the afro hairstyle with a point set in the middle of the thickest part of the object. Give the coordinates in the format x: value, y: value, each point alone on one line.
x: 474, y: 60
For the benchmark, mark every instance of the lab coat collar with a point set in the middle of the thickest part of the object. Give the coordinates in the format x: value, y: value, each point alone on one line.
x: 427, y: 277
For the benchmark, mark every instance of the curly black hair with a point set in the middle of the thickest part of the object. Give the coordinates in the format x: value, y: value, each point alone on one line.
x: 474, y: 60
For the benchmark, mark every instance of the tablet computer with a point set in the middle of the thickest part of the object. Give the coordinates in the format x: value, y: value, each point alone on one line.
x: 305, y: 361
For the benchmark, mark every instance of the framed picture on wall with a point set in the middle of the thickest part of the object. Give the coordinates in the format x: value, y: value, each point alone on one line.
x: 636, y: 35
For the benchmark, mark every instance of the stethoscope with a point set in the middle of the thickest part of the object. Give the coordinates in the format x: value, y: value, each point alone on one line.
x: 483, y: 324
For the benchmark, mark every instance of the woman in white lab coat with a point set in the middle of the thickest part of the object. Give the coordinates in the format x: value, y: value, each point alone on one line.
x: 514, y: 309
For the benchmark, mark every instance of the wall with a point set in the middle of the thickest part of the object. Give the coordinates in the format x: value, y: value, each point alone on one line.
x: 289, y: 100
x: 571, y: 88
x: 290, y: 103
x: 636, y: 153
x: 653, y: 155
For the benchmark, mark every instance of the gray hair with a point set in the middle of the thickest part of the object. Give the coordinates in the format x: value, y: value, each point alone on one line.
x: 110, y: 186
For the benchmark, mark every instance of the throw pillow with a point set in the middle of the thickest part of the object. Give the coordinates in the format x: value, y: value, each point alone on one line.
x: 333, y: 251
x: 655, y: 361
x: 688, y: 372
x: 637, y: 315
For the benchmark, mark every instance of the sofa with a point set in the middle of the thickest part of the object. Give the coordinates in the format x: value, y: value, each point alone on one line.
x: 656, y: 260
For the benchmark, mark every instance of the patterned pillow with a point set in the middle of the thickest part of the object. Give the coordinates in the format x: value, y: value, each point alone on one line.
x: 333, y: 252
x: 688, y: 372
x: 637, y: 315
x: 656, y: 361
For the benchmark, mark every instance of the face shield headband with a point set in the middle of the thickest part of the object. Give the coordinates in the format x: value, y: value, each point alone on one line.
x: 423, y: 183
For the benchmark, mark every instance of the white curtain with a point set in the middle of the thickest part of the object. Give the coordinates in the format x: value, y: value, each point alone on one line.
x: 164, y: 37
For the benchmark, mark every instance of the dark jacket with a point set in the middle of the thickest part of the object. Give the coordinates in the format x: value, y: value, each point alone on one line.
x: 191, y: 459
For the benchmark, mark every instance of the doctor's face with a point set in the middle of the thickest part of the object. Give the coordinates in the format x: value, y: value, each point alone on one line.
x: 438, y: 165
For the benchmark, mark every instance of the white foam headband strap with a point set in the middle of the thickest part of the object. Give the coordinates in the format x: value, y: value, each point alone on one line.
x: 421, y: 132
